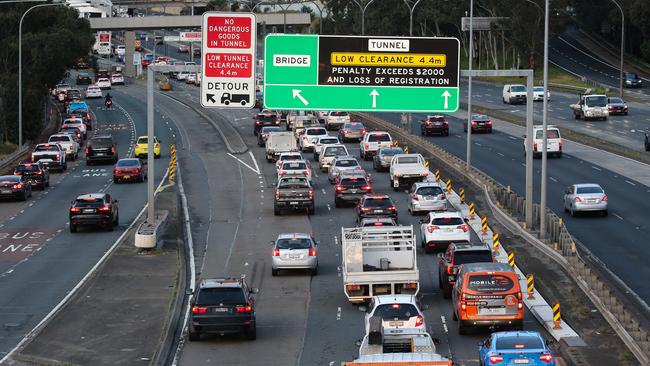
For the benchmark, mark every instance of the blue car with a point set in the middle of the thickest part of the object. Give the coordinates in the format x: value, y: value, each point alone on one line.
x: 515, y: 348
x: 78, y: 107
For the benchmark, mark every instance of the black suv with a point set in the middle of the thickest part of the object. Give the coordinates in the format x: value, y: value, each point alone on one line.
x: 455, y: 255
x: 223, y: 305
x: 94, y: 209
x: 101, y: 148
x: 34, y: 173
x: 350, y: 188
x: 376, y: 205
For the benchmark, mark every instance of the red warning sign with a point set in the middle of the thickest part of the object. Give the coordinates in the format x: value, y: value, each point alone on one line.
x: 235, y: 65
x: 229, y: 32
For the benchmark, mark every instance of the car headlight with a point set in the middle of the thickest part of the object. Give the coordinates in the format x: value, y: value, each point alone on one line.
x: 589, y: 113
x: 628, y: 81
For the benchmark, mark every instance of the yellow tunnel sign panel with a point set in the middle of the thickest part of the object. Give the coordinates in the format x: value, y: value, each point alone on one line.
x: 388, y: 59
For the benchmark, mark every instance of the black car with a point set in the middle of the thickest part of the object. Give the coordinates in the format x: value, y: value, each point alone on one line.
x: 223, y: 306
x: 73, y: 94
x: 264, y: 134
x: 101, y: 148
x: 36, y: 174
x: 480, y: 123
x: 434, y: 125
x: 455, y: 255
x: 632, y: 80
x: 350, y: 188
x: 647, y: 139
x: 376, y: 205
x: 102, y: 74
x: 97, y: 209
x: 15, y: 186
x: 84, y: 79
x: 265, y: 119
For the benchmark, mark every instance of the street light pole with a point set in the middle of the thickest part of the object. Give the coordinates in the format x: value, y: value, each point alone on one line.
x: 469, y: 85
x: 542, y: 201
x: 363, y: 14
x: 20, y: 70
x: 620, y: 85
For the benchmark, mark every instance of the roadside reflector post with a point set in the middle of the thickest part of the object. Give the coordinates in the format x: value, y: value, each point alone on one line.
x: 437, y: 173
x: 511, y: 259
x: 496, y: 243
x: 448, y: 184
x: 462, y: 195
x: 557, y: 318
x: 426, y: 163
x: 484, y: 225
x: 395, y: 143
x: 472, y: 210
x: 406, y: 149
x: 530, y: 282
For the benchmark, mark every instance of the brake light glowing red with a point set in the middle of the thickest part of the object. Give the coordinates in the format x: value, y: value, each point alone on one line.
x: 548, y: 358
x: 75, y: 210
x: 353, y: 287
x: 464, y: 227
x: 473, y: 123
x: 378, y: 224
x: 243, y: 309
x: 367, y: 188
x: 604, y: 198
x: 411, y: 285
x: 340, y: 188
x: 495, y: 359
x: 366, y: 145
x: 577, y: 199
x: 365, y: 209
x: 392, y: 208
x: 17, y: 186
x: 276, y: 252
x: 432, y: 228
x: 312, y: 252
x: 277, y: 194
x: 88, y: 149
x: 113, y: 149
x: 199, y: 310
x: 104, y: 209
x: 450, y: 269
x: 446, y: 122
x: 419, y: 320
x: 311, y: 193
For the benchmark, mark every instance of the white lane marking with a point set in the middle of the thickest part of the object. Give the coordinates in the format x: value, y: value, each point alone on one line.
x: 323, y: 190
x: 338, y: 313
x: 336, y: 240
x: 617, y: 216
x: 444, y: 323
x: 553, y: 179
x: 561, y: 117
x: 328, y: 207
x: 512, y: 137
x: 257, y: 167
x: 498, y: 153
x: 628, y: 182
x: 597, y: 168
x: 477, y: 144
x: 243, y: 163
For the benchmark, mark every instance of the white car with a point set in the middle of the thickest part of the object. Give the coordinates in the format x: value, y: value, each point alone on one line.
x: 335, y: 120
x: 67, y: 142
x: 329, y: 153
x: 182, y: 75
x: 340, y: 164
x: 425, y: 197
x: 287, y: 156
x: 93, y: 91
x: 439, y: 229
x: 397, y: 312
x: 514, y: 94
x: 538, y: 94
x: 103, y: 83
x: 372, y: 142
x: 117, y: 79
x: 77, y: 123
x: 191, y: 78
x: 300, y: 168
x: 324, y: 141
x: 554, y: 142
x: 310, y: 137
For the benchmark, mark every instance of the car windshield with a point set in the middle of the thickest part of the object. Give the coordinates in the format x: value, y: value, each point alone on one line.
x: 490, y: 283
x: 316, y: 132
x: 396, y: 311
x: 224, y: 295
x: 266, y: 118
x: 480, y: 118
x: 429, y: 191
x: 616, y: 100
x: 631, y: 76
x: 72, y: 122
x: 517, y: 88
x: 65, y: 138
x: 377, y: 202
x: 447, y: 221
x: 270, y: 129
x: 472, y: 256
x: 293, y: 243
x: 518, y: 342
x: 96, y: 142
x: 129, y: 163
x: 551, y: 134
x: 297, y: 165
x: 46, y: 148
x: 294, y: 183
x: 596, y: 101
x: 590, y: 189
x: 347, y: 162
x: 391, y: 151
x: 353, y: 182
x: 407, y: 160
x: 375, y: 137
x: 538, y: 88
x: 27, y: 168
x: 335, y: 151
x: 143, y: 140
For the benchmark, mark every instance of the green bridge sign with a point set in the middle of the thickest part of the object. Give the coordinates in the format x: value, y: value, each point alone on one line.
x: 371, y: 74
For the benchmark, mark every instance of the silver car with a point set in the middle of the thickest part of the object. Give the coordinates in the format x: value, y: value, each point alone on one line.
x: 294, y: 251
x: 381, y: 161
x: 328, y: 154
x: 425, y: 197
x: 323, y: 141
x: 352, y: 131
x: 341, y: 163
x: 585, y: 197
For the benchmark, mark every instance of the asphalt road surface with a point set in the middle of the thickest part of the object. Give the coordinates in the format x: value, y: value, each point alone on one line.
x: 40, y: 260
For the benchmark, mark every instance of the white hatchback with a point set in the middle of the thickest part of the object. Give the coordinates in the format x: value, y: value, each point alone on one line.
x: 439, y: 229
x: 426, y: 196
x: 396, y: 312
x: 103, y: 83
x: 324, y: 141
x: 94, y: 91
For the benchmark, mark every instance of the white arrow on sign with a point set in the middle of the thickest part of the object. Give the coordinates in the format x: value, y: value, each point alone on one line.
x: 296, y: 93
x: 374, y: 94
x: 446, y: 95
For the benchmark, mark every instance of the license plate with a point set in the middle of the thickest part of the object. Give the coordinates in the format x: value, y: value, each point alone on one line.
x: 126, y: 176
x: 590, y: 201
x: 5, y: 191
x: 521, y: 361
x: 88, y: 210
x: 294, y: 256
x: 437, y: 124
x: 429, y: 198
x: 100, y: 154
x: 396, y: 324
x: 220, y: 310
x: 353, y: 191
x: 377, y: 211
x: 448, y: 230
x: 491, y: 311
x: 293, y: 202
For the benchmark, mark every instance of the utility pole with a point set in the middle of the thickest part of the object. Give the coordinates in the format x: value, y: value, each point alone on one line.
x: 542, y: 201
x: 620, y: 85
x: 469, y: 85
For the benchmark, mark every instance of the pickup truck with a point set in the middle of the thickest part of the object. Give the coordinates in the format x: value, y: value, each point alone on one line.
x: 68, y: 144
x: 372, y: 142
x: 406, y: 169
x: 379, y: 260
x: 279, y: 142
x: 51, y: 155
x: 292, y: 115
x: 293, y: 193
x: 590, y: 106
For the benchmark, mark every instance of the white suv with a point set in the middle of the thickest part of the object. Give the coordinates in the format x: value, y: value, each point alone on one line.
x: 554, y: 141
x: 68, y: 144
x: 310, y: 137
x: 439, y: 229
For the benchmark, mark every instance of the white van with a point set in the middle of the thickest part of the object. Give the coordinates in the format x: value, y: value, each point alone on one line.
x: 514, y: 94
x: 554, y: 141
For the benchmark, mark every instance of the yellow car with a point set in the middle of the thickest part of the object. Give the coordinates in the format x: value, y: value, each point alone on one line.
x: 141, y: 147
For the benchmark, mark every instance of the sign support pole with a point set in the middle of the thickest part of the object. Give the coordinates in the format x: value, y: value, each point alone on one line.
x: 150, y: 142
x: 469, y: 87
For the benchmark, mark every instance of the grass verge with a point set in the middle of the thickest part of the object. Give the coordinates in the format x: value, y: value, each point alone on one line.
x: 6, y: 149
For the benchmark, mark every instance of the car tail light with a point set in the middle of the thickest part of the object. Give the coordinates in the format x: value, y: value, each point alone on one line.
x: 450, y: 269
x: 16, y: 172
x: 473, y: 123
x: 33, y: 158
x: 604, y: 198
x: 276, y: 252
x: 392, y: 208
x: 353, y: 287
x: 340, y: 188
x: 411, y: 285
x: 277, y: 194
x: 365, y: 209
x: 38, y: 172
x: 432, y: 228
x: 243, y: 309
x: 419, y: 320
x: 88, y: 149
x: 367, y: 188
x: 446, y: 122
x: 496, y: 359
x: 199, y: 310
x: 464, y: 227
x: 547, y: 357
x: 488, y: 123
x: 520, y: 305
x: 283, y: 172
x: 346, y: 131
x: 17, y: 186
x: 104, y: 209
x: 113, y: 149
x: 363, y: 132
x: 534, y: 146
x: 263, y: 135
x: 312, y: 252
x: 428, y: 123
x: 116, y: 171
x: 415, y: 197
x: 57, y: 156
x: 311, y: 193
x: 577, y: 199
x: 257, y: 122
x: 366, y: 145
x: 75, y: 210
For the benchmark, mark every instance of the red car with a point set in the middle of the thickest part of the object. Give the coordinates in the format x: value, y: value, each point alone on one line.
x: 130, y: 169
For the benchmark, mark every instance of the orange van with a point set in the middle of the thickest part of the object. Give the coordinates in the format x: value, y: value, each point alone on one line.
x: 487, y: 294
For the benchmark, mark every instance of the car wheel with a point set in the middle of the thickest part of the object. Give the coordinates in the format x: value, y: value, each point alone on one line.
x: 312, y: 210
x: 251, y: 335
x: 116, y: 181
x: 274, y: 272
x: 647, y: 145
x: 277, y: 211
x: 47, y: 182
x: 454, y: 317
x: 439, y: 280
x: 314, y: 272
x: 194, y: 336
x: 446, y: 133
x: 65, y: 166
x: 24, y: 197
x: 73, y: 228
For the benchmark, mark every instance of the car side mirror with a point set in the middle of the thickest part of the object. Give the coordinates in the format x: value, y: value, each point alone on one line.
x: 72, y: 202
x: 549, y: 342
x: 272, y: 242
x: 254, y: 290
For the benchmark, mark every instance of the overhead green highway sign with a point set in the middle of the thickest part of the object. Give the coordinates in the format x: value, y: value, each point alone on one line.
x: 351, y: 73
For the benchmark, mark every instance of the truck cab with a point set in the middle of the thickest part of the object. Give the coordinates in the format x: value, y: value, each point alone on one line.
x: 591, y: 106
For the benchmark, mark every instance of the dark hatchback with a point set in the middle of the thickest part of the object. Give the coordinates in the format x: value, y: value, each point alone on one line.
x: 96, y: 209
x: 480, y: 123
x: 223, y: 306
x: 265, y: 119
x: 376, y: 205
x: 101, y: 148
x: 15, y: 187
x: 84, y: 79
x: 350, y: 188
x: 434, y: 125
x: 35, y: 174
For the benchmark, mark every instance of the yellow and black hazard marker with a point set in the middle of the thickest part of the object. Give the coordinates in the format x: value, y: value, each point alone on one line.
x: 437, y: 174
x: 484, y: 225
x: 530, y: 284
x: 461, y: 194
x: 172, y: 163
x: 557, y: 317
x: 496, y: 243
x: 472, y: 210
x: 406, y: 149
x: 448, y: 183
x: 511, y: 259
x: 426, y: 164
x: 395, y: 143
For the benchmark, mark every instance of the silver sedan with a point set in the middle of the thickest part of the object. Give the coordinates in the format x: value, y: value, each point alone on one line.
x: 585, y: 197
x: 294, y: 251
x: 341, y: 163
